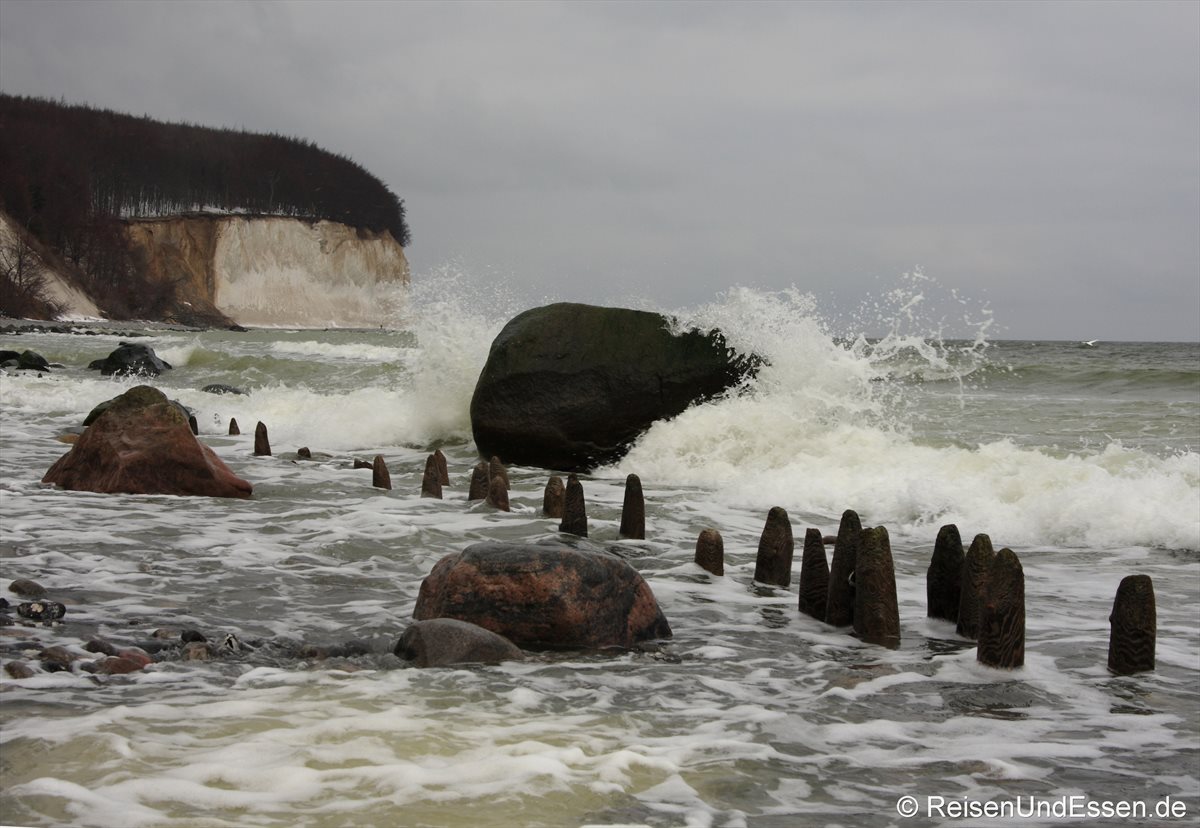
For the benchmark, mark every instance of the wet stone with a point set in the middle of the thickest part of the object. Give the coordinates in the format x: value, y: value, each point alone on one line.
x: 41, y: 610
x: 27, y: 588
x: 18, y: 670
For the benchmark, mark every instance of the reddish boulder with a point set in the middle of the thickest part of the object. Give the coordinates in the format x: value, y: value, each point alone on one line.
x: 142, y: 444
x: 544, y: 596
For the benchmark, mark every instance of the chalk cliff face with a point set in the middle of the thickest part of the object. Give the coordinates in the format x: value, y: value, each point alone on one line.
x: 276, y: 271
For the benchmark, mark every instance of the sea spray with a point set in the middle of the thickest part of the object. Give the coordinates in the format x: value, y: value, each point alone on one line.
x: 830, y: 424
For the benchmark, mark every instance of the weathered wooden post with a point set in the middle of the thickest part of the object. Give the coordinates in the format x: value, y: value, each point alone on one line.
x: 497, y: 496
x: 234, y: 431
x: 431, y: 479
x: 262, y: 446
x: 552, y: 497
x: 380, y: 478
x: 574, y: 520
x: 839, y: 607
x: 710, y: 551
x: 775, y: 549
x: 876, y: 610
x: 443, y: 467
x: 974, y: 585
x: 814, y: 576
x: 633, y: 510
x: 943, y: 579
x: 1002, y: 613
x: 1133, y: 627
x: 480, y: 478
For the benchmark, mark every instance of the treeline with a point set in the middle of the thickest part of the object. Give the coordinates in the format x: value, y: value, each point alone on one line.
x: 70, y: 174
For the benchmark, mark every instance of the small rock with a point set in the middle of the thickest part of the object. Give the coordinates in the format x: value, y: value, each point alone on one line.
x: 41, y: 610
x: 118, y: 665
x: 197, y: 651
x: 304, y: 453
x: 18, y: 670
x: 189, y: 636
x: 57, y: 655
x: 99, y: 645
x: 27, y: 588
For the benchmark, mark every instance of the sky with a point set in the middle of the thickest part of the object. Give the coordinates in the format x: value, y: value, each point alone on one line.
x: 1038, y: 162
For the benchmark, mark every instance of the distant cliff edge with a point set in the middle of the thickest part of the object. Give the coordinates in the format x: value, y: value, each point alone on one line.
x: 273, y: 271
x: 103, y: 213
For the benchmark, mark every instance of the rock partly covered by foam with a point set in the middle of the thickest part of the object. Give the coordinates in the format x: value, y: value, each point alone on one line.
x: 142, y: 444
x: 570, y: 386
x: 544, y: 596
x: 442, y: 642
x: 127, y: 359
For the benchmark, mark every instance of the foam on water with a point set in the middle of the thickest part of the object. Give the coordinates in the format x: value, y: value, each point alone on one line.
x: 752, y: 715
x: 828, y: 426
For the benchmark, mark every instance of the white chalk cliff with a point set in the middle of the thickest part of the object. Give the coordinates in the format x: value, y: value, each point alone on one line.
x: 265, y: 271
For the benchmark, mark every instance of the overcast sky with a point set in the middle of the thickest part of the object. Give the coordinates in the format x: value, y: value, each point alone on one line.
x: 1040, y: 158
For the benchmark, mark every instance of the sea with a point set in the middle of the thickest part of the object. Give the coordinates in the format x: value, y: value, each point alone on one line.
x: 1083, y: 458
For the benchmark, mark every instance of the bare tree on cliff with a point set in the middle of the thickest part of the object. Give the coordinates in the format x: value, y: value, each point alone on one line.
x: 23, y: 280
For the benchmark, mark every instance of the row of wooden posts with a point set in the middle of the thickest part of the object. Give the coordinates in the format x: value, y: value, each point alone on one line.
x: 982, y: 591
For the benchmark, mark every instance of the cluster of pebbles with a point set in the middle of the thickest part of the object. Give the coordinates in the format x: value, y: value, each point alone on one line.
x: 27, y: 655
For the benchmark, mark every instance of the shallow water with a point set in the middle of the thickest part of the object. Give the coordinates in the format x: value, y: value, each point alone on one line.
x: 1084, y: 461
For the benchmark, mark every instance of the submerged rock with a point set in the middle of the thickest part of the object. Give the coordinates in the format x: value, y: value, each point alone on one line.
x: 570, y: 386
x: 544, y: 596
x: 442, y: 642
x: 141, y: 444
x: 27, y: 588
x: 130, y: 359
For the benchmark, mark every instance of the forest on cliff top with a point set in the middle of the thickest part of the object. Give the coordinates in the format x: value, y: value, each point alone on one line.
x: 72, y: 174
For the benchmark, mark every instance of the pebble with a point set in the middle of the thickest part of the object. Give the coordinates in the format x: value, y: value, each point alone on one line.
x: 27, y: 588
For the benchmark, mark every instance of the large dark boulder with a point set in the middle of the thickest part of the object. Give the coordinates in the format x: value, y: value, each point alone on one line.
x: 544, y: 596
x: 142, y: 444
x: 571, y: 386
x: 130, y: 359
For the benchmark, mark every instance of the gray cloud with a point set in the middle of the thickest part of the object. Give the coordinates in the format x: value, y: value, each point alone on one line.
x: 1042, y: 156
